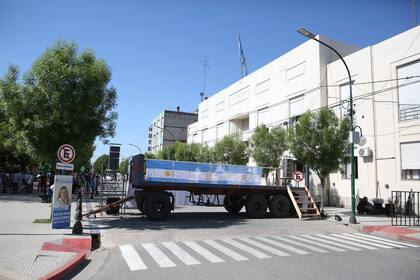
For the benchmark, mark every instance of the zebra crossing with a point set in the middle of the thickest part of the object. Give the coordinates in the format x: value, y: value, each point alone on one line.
x: 172, y: 254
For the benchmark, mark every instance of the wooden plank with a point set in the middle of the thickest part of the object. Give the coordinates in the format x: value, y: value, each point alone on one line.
x: 292, y: 198
x: 313, y: 201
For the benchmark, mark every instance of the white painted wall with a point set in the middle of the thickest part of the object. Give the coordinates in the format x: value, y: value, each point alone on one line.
x: 378, y: 115
x: 307, y: 78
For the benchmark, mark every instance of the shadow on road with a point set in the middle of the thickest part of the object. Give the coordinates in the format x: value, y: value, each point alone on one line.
x: 189, y: 220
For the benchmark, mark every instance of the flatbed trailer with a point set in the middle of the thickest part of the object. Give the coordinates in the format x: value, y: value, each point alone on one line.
x: 155, y: 200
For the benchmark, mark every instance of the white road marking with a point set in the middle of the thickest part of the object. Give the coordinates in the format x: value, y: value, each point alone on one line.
x: 265, y: 247
x: 351, y: 243
x: 376, y: 241
x: 282, y: 245
x: 246, y: 248
x: 317, y: 244
x: 132, y: 258
x: 350, y: 237
x: 331, y: 243
x: 203, y: 252
x: 225, y: 250
x: 180, y: 253
x: 387, y: 240
x: 306, y: 246
x: 160, y: 258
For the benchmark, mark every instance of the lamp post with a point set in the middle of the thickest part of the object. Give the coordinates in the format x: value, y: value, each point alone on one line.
x: 135, y: 146
x: 310, y: 35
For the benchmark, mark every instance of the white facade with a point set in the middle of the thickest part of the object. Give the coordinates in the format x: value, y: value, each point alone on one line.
x: 311, y: 76
x: 389, y: 118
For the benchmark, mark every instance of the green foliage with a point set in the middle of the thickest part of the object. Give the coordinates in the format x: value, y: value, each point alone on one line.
x: 231, y: 151
x: 149, y: 155
x: 320, y: 141
x: 268, y: 146
x: 123, y: 168
x: 101, y: 163
x: 63, y: 98
x: 167, y: 153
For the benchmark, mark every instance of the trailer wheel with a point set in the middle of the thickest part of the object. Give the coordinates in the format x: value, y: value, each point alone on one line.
x: 256, y: 206
x: 279, y: 206
x: 233, y: 203
x: 157, y: 206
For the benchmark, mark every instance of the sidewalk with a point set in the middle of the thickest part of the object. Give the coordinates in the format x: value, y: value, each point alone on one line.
x: 35, y: 251
x: 377, y: 225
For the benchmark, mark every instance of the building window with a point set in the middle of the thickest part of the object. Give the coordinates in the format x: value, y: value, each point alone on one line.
x: 263, y: 116
x: 408, y: 92
x: 149, y: 149
x: 410, y: 161
x: 297, y: 105
x: 347, y: 170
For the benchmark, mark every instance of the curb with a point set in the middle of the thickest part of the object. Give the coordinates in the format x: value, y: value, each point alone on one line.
x: 81, y: 246
x: 399, y: 233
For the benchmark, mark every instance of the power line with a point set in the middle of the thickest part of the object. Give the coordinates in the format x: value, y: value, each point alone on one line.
x: 333, y: 105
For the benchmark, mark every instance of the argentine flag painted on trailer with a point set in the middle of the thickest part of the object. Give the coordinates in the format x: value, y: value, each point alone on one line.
x: 195, y: 172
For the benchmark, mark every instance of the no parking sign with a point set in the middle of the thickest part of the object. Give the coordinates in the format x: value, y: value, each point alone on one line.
x: 66, y: 153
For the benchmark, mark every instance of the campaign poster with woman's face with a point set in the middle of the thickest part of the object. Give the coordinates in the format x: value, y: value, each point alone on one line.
x: 62, y: 201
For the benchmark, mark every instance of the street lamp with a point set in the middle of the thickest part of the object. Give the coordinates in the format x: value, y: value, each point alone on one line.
x: 135, y: 146
x: 310, y: 35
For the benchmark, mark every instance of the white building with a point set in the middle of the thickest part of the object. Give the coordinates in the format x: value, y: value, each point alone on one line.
x: 311, y: 76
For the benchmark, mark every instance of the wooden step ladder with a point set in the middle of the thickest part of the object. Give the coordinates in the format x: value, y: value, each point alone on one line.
x: 304, y: 203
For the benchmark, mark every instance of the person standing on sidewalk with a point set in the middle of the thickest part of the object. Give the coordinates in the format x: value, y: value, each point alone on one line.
x: 16, y: 180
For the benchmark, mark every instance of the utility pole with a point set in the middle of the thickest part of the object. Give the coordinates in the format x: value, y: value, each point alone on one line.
x: 312, y: 36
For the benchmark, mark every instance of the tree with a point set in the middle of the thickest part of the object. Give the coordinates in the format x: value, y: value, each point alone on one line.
x: 101, y: 163
x: 123, y: 168
x: 229, y: 150
x: 320, y: 141
x: 149, y: 155
x: 268, y: 146
x: 167, y: 153
x: 63, y: 98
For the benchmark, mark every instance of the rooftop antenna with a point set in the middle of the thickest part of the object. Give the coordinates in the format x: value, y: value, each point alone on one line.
x: 244, y: 67
x: 206, y: 66
x: 201, y: 96
x: 414, y: 15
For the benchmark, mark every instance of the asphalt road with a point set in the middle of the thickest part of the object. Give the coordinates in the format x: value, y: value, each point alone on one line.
x: 215, y: 245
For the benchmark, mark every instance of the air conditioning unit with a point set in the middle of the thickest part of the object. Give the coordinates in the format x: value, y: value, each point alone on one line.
x: 365, y: 152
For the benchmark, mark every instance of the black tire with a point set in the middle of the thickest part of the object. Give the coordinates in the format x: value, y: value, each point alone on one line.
x: 279, y: 206
x: 256, y: 206
x: 233, y: 203
x: 157, y: 206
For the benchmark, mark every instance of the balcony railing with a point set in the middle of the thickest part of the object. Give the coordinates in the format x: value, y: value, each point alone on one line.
x: 409, y: 112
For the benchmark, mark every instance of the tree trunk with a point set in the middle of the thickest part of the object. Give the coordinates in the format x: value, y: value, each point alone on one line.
x: 322, y: 195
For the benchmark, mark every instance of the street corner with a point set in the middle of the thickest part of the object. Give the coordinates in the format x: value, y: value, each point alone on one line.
x: 79, y: 248
x: 395, y: 232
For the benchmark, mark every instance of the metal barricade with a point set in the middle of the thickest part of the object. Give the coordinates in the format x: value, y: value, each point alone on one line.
x: 406, y: 210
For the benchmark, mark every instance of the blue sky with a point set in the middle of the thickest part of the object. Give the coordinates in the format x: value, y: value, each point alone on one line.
x: 156, y: 48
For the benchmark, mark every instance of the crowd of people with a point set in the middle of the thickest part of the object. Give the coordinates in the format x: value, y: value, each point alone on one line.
x: 24, y: 182
x: 16, y: 182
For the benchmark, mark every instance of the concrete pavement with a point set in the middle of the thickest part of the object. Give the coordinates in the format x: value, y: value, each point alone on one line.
x: 34, y: 251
